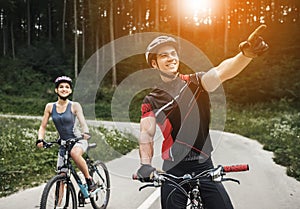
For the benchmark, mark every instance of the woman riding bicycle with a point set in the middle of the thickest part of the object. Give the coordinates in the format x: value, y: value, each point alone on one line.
x: 64, y: 113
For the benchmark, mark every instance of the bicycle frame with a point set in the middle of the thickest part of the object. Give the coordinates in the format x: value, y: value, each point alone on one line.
x: 62, y: 187
x: 195, y: 197
x: 68, y: 164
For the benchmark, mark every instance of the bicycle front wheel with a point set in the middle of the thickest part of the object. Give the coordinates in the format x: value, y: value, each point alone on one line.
x: 100, y: 176
x: 58, y: 193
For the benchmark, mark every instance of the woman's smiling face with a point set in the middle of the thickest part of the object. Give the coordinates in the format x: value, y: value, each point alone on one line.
x: 63, y: 90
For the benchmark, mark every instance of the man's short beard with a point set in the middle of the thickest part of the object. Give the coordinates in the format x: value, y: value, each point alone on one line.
x: 170, y: 76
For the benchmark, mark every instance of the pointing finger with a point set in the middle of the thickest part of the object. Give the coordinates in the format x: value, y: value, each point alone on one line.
x: 258, y: 31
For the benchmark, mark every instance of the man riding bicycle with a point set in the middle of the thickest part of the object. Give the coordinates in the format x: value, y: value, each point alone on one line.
x: 64, y: 113
x: 181, y: 108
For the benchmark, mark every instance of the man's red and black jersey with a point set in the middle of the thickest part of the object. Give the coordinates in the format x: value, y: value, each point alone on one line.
x: 182, y: 111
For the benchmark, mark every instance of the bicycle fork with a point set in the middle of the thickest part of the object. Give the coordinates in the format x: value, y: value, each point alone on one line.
x: 195, y: 197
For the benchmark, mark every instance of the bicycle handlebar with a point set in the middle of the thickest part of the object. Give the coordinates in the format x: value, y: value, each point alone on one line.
x: 215, y: 174
x: 61, y: 142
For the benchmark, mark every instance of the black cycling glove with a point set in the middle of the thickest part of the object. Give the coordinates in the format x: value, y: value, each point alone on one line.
x: 144, y: 173
x: 39, y: 141
x: 255, y: 45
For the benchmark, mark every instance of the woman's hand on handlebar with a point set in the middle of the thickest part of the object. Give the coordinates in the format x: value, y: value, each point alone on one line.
x: 86, y: 135
x: 40, y: 143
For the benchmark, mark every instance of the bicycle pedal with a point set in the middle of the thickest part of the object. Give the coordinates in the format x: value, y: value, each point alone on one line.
x: 81, y: 203
x: 94, y: 192
x: 81, y: 199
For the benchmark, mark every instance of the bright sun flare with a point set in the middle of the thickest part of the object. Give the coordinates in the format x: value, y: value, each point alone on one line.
x: 196, y: 5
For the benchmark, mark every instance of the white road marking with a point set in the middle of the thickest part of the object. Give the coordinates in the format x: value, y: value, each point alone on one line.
x: 150, y: 200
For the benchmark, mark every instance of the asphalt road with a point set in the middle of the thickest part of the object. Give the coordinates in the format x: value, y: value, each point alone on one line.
x: 265, y: 186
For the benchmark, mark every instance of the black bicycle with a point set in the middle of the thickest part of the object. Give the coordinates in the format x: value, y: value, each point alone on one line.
x: 60, y: 192
x: 193, y: 182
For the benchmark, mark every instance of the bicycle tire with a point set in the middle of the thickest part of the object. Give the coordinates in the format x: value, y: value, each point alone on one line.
x: 101, y: 177
x: 50, y: 198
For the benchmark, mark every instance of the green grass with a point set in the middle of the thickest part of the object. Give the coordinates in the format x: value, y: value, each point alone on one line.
x: 22, y: 165
x: 275, y: 125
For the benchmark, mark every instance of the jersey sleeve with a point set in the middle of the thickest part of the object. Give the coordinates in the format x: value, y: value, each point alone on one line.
x: 194, y: 78
x: 147, y: 109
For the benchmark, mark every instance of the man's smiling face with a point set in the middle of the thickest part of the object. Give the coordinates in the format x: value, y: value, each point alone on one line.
x: 167, y: 60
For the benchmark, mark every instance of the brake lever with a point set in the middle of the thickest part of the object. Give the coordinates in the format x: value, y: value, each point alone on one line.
x: 231, y: 179
x: 47, y: 145
x: 147, y: 185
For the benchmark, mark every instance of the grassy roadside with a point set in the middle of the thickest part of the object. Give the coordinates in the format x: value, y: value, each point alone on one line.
x: 275, y: 125
x: 22, y: 165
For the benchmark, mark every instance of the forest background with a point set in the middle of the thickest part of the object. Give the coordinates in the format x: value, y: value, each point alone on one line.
x: 41, y: 40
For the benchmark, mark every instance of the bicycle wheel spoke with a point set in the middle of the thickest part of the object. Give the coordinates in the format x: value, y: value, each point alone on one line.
x: 101, y: 177
x: 58, y: 195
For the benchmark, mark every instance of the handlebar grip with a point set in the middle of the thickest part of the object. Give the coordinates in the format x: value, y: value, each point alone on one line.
x: 236, y: 168
x: 135, y: 177
x: 141, y: 179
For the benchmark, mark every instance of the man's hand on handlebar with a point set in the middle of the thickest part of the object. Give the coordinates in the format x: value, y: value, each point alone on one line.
x: 145, y: 173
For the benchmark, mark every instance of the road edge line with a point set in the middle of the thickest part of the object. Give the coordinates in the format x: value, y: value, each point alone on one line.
x: 150, y: 200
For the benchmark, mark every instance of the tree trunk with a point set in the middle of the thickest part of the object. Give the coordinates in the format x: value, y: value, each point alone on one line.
x: 4, y: 39
x: 178, y: 18
x: 226, y: 13
x: 83, y: 40
x: 97, y: 53
x: 111, y: 27
x: 157, y: 15
x: 91, y: 27
x: 12, y: 40
x: 75, y: 40
x: 49, y: 22
x: 28, y: 24
x: 63, y: 27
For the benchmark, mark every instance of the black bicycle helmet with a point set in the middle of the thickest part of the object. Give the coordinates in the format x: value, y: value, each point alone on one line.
x: 63, y: 79
x: 158, y: 42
